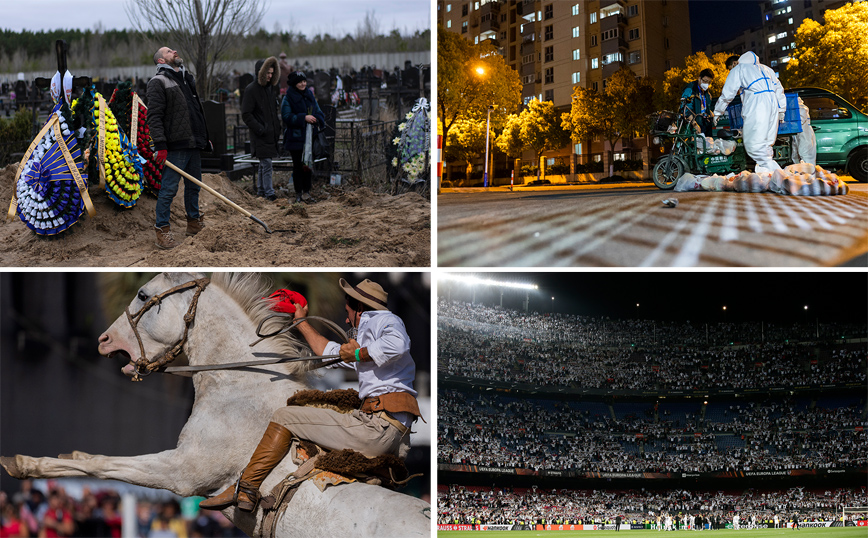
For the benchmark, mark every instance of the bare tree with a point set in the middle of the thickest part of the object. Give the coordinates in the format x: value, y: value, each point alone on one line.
x: 202, y: 30
x: 367, y: 30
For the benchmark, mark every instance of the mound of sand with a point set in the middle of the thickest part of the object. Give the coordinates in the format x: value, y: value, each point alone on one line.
x: 356, y: 228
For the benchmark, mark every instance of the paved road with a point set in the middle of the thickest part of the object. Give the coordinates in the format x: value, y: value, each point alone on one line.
x: 628, y: 226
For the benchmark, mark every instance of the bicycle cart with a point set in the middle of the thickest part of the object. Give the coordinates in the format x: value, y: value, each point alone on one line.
x: 690, y: 153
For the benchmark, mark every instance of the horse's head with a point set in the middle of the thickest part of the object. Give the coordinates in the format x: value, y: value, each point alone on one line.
x: 154, y: 327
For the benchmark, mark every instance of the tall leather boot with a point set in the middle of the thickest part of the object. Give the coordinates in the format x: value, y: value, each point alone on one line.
x: 271, y: 450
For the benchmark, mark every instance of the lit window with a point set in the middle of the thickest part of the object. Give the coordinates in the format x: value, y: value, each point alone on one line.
x: 593, y: 17
x: 448, y: 24
x: 577, y: 54
x: 595, y: 63
x: 774, y: 63
x: 782, y: 35
x: 771, y: 39
x: 448, y: 8
x: 614, y: 57
x: 577, y: 77
x: 785, y: 59
x: 576, y: 9
x: 790, y: 21
x: 575, y: 31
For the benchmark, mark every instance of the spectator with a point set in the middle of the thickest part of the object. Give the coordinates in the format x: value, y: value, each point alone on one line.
x: 259, y: 112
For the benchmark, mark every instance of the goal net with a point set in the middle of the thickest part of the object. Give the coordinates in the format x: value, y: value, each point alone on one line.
x: 848, y: 512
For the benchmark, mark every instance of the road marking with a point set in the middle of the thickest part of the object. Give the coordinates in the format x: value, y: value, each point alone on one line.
x: 777, y: 223
x: 729, y: 228
x: 784, y: 205
x: 824, y: 210
x: 600, y: 230
x: 692, y: 248
x: 809, y: 211
x: 670, y: 237
x: 753, y: 220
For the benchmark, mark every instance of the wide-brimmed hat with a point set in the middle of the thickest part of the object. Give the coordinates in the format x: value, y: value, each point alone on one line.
x: 368, y: 292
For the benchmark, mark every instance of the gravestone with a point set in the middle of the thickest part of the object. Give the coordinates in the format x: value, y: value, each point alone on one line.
x: 215, y: 120
x: 322, y: 83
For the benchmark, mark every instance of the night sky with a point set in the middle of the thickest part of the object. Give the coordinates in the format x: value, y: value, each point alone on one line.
x: 698, y: 296
x: 717, y: 21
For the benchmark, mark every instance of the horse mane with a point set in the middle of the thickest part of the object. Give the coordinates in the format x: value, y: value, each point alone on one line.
x: 248, y: 290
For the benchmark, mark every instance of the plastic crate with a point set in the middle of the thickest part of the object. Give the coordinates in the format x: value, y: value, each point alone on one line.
x: 792, y: 122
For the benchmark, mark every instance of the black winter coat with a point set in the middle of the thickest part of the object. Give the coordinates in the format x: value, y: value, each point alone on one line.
x: 259, y: 110
x: 295, y: 106
x: 175, y: 116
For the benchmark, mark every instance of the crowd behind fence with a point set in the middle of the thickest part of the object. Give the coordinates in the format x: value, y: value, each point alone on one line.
x: 492, y: 505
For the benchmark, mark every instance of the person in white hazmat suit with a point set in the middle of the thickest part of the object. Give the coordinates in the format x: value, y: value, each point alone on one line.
x: 763, y: 107
x: 805, y: 143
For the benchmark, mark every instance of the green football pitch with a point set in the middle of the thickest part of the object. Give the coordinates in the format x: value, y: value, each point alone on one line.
x: 803, y: 532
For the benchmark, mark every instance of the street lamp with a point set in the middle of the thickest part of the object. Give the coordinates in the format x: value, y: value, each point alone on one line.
x: 553, y: 305
x: 487, y: 129
x: 481, y: 72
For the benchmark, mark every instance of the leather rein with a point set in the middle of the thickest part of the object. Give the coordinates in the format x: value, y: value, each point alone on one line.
x: 144, y: 367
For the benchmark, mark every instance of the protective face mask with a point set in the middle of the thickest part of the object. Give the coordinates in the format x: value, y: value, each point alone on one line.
x: 704, y: 86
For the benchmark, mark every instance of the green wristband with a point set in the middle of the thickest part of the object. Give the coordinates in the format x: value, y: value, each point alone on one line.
x: 358, y: 359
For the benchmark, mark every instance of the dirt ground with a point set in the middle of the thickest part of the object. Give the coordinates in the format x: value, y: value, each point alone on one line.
x: 346, y: 227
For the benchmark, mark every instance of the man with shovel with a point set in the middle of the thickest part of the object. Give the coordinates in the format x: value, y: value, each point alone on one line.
x: 179, y: 133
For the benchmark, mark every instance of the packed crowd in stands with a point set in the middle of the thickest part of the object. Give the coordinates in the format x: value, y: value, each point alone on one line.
x: 491, y: 343
x: 776, y: 434
x: 31, y: 512
x: 484, y: 505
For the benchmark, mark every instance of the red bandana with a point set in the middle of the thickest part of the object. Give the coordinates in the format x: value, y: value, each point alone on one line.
x: 283, y: 300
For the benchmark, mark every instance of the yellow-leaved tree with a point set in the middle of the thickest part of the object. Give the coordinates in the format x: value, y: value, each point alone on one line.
x: 466, y: 142
x: 677, y: 78
x: 834, y: 55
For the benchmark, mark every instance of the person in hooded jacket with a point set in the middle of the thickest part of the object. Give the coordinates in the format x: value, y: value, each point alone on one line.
x: 763, y: 107
x: 298, y: 109
x: 259, y: 113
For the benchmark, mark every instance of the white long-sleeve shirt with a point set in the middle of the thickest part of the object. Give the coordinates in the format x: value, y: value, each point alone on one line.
x: 392, y: 368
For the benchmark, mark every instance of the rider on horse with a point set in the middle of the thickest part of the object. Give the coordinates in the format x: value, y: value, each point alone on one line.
x: 386, y: 371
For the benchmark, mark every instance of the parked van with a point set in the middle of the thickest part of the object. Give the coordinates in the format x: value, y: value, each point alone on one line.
x: 841, y: 131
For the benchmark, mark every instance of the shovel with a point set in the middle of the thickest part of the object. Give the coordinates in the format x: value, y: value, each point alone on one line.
x: 227, y: 201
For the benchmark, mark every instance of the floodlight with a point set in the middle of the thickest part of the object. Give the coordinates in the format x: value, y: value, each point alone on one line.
x: 466, y: 279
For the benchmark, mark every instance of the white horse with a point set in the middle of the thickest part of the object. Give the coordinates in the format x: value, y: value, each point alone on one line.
x: 230, y: 413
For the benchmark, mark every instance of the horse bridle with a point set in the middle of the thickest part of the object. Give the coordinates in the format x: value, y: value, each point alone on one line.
x: 144, y: 367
